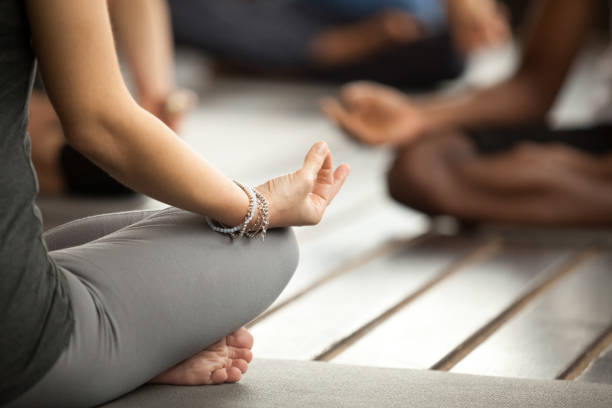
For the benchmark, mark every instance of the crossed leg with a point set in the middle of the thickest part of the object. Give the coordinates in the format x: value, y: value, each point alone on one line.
x: 532, y: 183
x: 157, y: 292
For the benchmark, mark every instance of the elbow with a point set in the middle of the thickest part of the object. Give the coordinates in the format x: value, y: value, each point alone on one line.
x: 95, y: 130
x: 81, y: 135
x: 98, y: 135
x: 87, y: 136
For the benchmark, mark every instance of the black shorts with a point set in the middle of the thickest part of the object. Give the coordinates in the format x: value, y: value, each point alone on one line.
x: 595, y: 140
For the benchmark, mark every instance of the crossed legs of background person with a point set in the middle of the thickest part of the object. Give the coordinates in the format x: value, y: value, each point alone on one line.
x: 531, y: 183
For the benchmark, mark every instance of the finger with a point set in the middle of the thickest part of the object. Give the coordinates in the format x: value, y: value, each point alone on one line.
x: 333, y: 109
x: 176, y: 106
x: 180, y: 101
x: 348, y: 122
x: 327, y: 163
x: 325, y: 174
x: 359, y: 90
x: 358, y: 96
x: 315, y: 158
x: 340, y: 176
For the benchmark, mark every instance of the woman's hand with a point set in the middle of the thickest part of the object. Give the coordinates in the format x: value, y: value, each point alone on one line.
x: 300, y: 198
x: 375, y: 114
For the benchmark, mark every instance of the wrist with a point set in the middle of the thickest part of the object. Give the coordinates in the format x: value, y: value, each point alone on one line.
x: 433, y: 118
x: 256, y: 219
x: 234, y: 209
x: 413, y: 124
x: 273, y: 217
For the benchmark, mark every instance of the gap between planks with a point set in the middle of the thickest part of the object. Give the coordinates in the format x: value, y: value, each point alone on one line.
x: 481, y: 253
x: 587, y: 357
x: 379, y: 251
x: 480, y: 336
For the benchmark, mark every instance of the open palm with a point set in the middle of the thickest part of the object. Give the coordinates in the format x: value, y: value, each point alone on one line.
x: 301, y: 197
x: 374, y: 114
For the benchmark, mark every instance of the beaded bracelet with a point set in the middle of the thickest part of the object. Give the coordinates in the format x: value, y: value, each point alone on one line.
x: 263, y: 218
x: 240, y: 229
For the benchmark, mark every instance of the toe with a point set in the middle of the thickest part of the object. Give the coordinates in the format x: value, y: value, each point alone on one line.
x: 241, y: 365
x: 218, y: 346
x: 219, y: 376
x: 240, y: 353
x: 240, y: 338
x: 233, y: 375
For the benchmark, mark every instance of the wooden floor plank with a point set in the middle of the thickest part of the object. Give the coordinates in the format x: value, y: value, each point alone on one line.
x: 600, y: 370
x: 342, y: 306
x: 424, y: 332
x: 336, y: 249
x: 548, y: 335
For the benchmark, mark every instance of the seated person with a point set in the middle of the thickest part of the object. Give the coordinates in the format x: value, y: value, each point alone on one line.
x: 100, y: 306
x: 400, y: 42
x: 488, y: 155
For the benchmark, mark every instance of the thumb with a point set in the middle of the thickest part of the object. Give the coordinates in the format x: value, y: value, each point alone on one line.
x: 315, y: 158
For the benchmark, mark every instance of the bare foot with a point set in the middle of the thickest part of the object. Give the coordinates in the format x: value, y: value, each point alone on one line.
x: 347, y: 43
x: 223, y: 362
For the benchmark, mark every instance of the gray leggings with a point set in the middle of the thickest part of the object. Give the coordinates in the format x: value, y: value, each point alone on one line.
x: 149, y: 289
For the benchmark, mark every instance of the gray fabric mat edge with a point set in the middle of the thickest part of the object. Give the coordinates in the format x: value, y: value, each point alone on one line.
x: 282, y: 383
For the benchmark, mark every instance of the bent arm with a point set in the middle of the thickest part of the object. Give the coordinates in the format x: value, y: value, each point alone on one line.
x: 143, y: 34
x: 74, y: 45
x: 558, y: 29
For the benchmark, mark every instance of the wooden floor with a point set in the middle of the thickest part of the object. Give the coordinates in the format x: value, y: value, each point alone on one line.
x: 378, y: 284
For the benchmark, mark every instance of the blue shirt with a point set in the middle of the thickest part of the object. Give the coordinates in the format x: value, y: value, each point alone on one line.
x: 431, y: 13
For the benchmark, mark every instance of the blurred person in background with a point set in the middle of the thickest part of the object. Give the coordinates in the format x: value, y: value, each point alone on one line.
x: 489, y: 154
x: 409, y: 43
x: 142, y: 31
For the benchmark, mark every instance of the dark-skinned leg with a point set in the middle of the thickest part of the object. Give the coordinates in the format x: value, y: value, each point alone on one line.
x: 419, y: 171
x: 529, y: 184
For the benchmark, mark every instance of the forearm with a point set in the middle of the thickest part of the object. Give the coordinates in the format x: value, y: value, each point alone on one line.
x: 516, y: 100
x: 548, y: 53
x: 143, y: 34
x: 142, y: 153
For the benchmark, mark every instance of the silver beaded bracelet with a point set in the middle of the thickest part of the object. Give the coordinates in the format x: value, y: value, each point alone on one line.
x: 263, y: 218
x: 239, y: 230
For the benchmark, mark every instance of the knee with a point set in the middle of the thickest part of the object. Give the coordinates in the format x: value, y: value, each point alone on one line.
x: 276, y: 261
x: 283, y: 244
x: 410, y: 178
x: 421, y: 174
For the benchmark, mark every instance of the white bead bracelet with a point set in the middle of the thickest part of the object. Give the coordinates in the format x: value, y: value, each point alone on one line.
x: 247, y: 219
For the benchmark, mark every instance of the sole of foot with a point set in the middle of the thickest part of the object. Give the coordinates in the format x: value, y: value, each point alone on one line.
x: 223, y: 362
